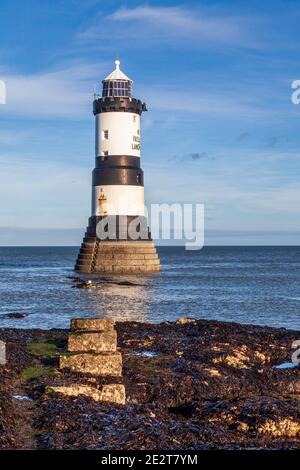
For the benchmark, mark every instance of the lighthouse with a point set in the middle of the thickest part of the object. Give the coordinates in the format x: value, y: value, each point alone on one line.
x: 117, y: 239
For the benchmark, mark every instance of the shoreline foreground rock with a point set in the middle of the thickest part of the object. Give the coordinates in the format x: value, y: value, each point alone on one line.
x: 192, y: 384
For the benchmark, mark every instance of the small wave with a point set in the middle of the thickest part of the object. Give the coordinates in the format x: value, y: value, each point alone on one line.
x: 17, y: 308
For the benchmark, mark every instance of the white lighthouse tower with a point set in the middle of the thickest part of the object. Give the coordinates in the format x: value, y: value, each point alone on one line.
x: 117, y: 239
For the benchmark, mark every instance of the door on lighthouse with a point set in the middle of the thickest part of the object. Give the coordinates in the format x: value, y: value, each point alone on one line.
x: 102, y: 204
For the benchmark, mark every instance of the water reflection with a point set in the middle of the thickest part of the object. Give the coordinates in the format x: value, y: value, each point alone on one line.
x: 123, y: 297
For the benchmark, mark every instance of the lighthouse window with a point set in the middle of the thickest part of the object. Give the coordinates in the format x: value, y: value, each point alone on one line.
x: 116, y: 88
x: 105, y: 134
x: 105, y: 153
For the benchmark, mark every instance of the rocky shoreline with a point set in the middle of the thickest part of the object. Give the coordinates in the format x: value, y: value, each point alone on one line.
x: 193, y: 384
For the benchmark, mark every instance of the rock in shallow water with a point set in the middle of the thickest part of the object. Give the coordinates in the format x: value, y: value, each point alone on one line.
x: 16, y: 315
x: 85, y: 285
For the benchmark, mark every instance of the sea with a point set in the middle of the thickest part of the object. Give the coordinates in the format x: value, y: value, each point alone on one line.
x: 251, y: 285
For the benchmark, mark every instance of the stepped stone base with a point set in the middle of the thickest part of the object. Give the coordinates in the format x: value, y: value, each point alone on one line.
x: 93, y: 341
x: 112, y: 393
x: 93, y: 363
x: 116, y: 257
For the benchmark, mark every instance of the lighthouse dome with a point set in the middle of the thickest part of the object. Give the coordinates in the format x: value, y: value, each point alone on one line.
x: 117, y: 84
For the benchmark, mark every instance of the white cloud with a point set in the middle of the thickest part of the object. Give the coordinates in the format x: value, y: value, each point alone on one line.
x: 67, y: 93
x: 169, y: 23
x: 219, y: 102
x: 63, y: 92
x: 183, y: 22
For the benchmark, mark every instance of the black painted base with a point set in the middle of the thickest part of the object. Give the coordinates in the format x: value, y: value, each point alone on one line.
x: 118, y: 228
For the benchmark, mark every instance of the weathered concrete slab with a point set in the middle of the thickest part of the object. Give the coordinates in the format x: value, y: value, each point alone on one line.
x: 105, y: 341
x: 93, y: 363
x: 112, y: 393
x: 92, y: 324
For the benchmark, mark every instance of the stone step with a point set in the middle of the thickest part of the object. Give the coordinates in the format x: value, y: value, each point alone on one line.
x: 151, y: 255
x: 88, y: 244
x: 83, y: 265
x: 127, y: 251
x: 92, y: 324
x: 82, y: 269
x: 117, y: 269
x: 112, y: 393
x: 127, y: 262
x: 87, y: 248
x: 125, y: 245
x: 86, y: 255
x: 126, y: 270
x: 89, y: 239
x: 95, y: 341
x: 126, y: 257
x: 83, y: 256
x: 93, y: 363
x: 84, y: 259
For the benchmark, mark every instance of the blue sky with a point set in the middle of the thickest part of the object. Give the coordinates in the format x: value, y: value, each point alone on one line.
x: 221, y: 128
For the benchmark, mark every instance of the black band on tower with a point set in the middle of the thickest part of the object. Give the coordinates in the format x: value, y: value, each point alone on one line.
x: 121, y: 161
x: 118, y: 176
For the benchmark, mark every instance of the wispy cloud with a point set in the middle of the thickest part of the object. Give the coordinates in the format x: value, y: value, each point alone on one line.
x: 67, y: 92
x: 227, y: 101
x: 170, y: 23
x: 63, y: 92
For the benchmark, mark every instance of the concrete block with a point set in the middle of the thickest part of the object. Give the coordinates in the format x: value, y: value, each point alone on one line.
x: 92, y: 324
x: 105, y: 341
x: 93, y: 363
x: 112, y: 393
